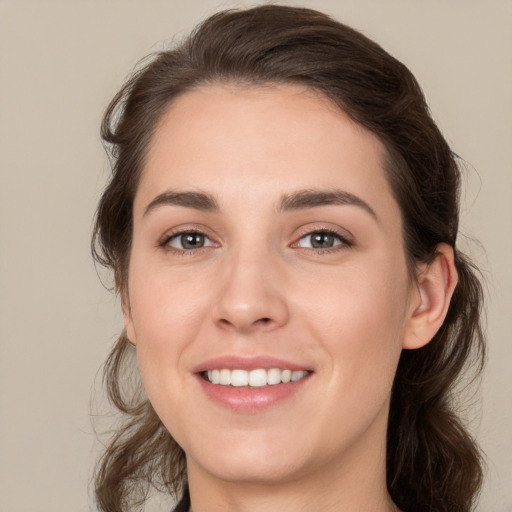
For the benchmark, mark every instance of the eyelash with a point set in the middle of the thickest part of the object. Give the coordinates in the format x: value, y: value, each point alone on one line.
x: 344, y: 243
x: 164, y: 243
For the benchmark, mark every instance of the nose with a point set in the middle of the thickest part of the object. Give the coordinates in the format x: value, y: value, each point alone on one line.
x: 252, y: 295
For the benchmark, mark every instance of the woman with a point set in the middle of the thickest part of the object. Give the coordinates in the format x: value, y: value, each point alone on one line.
x: 281, y: 222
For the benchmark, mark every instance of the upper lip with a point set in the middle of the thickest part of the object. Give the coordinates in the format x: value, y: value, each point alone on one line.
x: 233, y: 362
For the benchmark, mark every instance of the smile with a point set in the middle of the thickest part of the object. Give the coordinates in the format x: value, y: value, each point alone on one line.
x: 254, y: 378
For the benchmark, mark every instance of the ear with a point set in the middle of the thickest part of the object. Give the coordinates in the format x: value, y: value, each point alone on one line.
x: 127, y: 316
x: 435, y: 284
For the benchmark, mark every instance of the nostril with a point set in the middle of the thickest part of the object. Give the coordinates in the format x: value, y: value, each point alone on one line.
x: 264, y: 322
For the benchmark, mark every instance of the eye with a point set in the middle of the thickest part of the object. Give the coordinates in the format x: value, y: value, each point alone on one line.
x: 189, y: 240
x: 322, y: 240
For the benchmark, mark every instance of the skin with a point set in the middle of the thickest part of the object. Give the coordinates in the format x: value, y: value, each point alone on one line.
x: 258, y: 288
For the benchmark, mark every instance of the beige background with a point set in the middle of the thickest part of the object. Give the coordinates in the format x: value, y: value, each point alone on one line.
x: 60, y: 62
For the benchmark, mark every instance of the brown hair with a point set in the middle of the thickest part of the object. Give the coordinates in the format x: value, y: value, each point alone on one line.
x: 433, y: 464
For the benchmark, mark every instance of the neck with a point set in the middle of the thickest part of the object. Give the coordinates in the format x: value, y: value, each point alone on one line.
x: 290, y: 498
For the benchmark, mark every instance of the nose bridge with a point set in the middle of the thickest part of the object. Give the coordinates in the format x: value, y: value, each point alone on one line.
x: 251, y: 293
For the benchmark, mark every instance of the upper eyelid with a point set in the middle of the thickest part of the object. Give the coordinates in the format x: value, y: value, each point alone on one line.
x: 346, y: 238
x: 164, y: 242
x: 171, y: 233
x: 177, y: 237
x: 344, y: 241
x: 343, y: 233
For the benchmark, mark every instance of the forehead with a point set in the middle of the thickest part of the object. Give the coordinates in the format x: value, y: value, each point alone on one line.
x: 261, y: 141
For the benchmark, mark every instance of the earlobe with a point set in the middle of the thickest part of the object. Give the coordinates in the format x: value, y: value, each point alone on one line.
x: 435, y: 283
x: 127, y: 317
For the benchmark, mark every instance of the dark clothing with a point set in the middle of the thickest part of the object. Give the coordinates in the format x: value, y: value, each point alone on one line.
x: 184, y: 503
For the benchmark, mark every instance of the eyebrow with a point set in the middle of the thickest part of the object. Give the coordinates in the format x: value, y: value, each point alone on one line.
x: 314, y: 198
x: 298, y: 200
x: 196, y: 200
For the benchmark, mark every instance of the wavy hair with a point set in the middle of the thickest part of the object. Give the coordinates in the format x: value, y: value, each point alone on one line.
x: 433, y: 463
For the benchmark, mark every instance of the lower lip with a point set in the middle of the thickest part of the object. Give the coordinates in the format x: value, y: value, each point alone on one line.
x: 246, y: 399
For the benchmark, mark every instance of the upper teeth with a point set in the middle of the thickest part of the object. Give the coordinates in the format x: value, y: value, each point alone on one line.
x: 254, y: 378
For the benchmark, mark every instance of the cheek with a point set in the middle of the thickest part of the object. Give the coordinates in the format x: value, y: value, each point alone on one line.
x: 369, y: 297
x: 360, y: 329
x: 359, y: 315
x: 165, y: 303
x: 165, y: 321
x: 166, y: 308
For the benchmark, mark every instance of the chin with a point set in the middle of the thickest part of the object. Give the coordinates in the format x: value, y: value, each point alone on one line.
x: 262, y: 471
x: 250, y: 463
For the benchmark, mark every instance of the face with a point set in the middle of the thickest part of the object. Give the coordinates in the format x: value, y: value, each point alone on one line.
x: 268, y: 294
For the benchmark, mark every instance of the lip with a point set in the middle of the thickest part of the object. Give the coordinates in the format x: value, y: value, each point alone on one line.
x: 247, y: 363
x: 245, y: 399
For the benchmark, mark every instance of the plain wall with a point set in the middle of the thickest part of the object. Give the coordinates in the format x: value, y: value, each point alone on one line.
x: 60, y: 63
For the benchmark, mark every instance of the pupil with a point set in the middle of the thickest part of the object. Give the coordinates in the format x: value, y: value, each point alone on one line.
x: 322, y: 240
x: 192, y: 240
